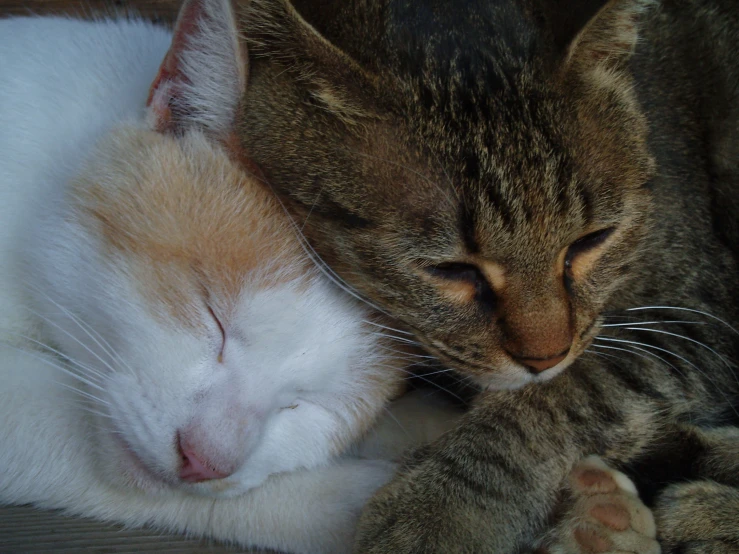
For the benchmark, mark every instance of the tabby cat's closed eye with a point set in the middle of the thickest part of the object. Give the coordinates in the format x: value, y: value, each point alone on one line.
x: 586, y: 244
x: 461, y: 272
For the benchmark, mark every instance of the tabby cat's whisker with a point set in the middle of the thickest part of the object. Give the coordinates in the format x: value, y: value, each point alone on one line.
x: 410, y: 355
x: 646, y: 345
x: 447, y: 370
x: 602, y: 355
x: 612, y: 316
x: 719, y: 356
x: 653, y: 323
x: 692, y: 310
x: 633, y: 350
x: 708, y: 377
x: 438, y: 386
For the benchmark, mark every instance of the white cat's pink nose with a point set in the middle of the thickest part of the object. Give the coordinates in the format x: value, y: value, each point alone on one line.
x: 195, y: 465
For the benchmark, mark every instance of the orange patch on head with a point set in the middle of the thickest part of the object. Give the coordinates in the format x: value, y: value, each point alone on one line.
x: 187, y: 222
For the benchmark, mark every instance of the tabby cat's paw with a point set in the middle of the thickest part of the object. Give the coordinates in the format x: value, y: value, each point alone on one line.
x: 606, y: 515
x: 699, y: 518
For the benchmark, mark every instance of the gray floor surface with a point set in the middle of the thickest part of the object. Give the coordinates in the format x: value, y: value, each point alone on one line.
x: 25, y: 530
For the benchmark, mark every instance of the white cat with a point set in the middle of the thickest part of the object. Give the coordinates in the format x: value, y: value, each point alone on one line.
x: 166, y: 346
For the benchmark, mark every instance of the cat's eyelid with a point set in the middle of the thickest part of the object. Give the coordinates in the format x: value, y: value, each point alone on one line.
x: 583, y: 253
x: 598, y: 235
x: 222, y: 329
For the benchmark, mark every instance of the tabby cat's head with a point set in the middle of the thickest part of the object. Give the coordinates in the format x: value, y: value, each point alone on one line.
x: 476, y: 169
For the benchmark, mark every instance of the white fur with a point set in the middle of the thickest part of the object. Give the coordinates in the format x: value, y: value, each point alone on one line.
x: 93, y: 430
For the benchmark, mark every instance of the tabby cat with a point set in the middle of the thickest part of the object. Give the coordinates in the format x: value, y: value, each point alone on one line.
x: 545, y: 195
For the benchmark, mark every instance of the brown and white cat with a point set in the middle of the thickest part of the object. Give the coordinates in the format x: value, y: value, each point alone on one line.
x: 545, y: 194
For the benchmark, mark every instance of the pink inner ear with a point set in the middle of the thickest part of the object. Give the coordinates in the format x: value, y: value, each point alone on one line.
x: 160, y: 94
x: 164, y: 88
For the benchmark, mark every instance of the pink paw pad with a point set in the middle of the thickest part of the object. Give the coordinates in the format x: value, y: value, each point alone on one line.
x: 606, y: 516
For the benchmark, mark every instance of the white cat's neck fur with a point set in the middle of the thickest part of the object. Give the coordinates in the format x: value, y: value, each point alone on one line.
x: 172, y: 339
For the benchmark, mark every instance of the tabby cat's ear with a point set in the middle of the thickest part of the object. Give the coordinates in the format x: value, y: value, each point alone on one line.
x: 330, y: 77
x: 607, y: 39
x: 203, y: 76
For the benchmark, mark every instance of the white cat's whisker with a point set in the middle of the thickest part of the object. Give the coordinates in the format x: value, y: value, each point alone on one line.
x: 91, y: 372
x: 85, y: 408
x: 75, y: 339
x: 692, y: 310
x: 108, y: 349
x: 312, y: 207
x: 393, y: 329
x: 84, y: 394
x: 397, y: 421
x: 393, y: 337
x: 46, y: 361
x: 322, y: 266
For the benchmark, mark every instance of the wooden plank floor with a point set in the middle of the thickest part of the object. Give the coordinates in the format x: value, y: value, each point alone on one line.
x: 26, y: 530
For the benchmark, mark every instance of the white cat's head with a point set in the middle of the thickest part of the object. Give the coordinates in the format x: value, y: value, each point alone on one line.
x: 215, y: 352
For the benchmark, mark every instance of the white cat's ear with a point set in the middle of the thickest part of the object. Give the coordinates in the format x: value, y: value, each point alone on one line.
x: 203, y: 76
x: 608, y: 39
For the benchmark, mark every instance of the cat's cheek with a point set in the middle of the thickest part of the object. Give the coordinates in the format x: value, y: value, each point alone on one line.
x: 121, y: 467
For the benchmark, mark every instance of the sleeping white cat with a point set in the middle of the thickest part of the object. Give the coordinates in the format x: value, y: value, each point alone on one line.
x: 165, y: 340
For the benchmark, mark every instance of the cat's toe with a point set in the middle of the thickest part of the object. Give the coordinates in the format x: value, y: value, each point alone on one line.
x: 605, y: 516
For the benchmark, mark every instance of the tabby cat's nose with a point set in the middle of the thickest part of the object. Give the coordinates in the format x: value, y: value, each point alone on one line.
x: 537, y: 365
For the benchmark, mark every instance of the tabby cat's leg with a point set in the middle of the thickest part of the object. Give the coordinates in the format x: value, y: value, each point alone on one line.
x: 702, y: 517
x: 603, y: 515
